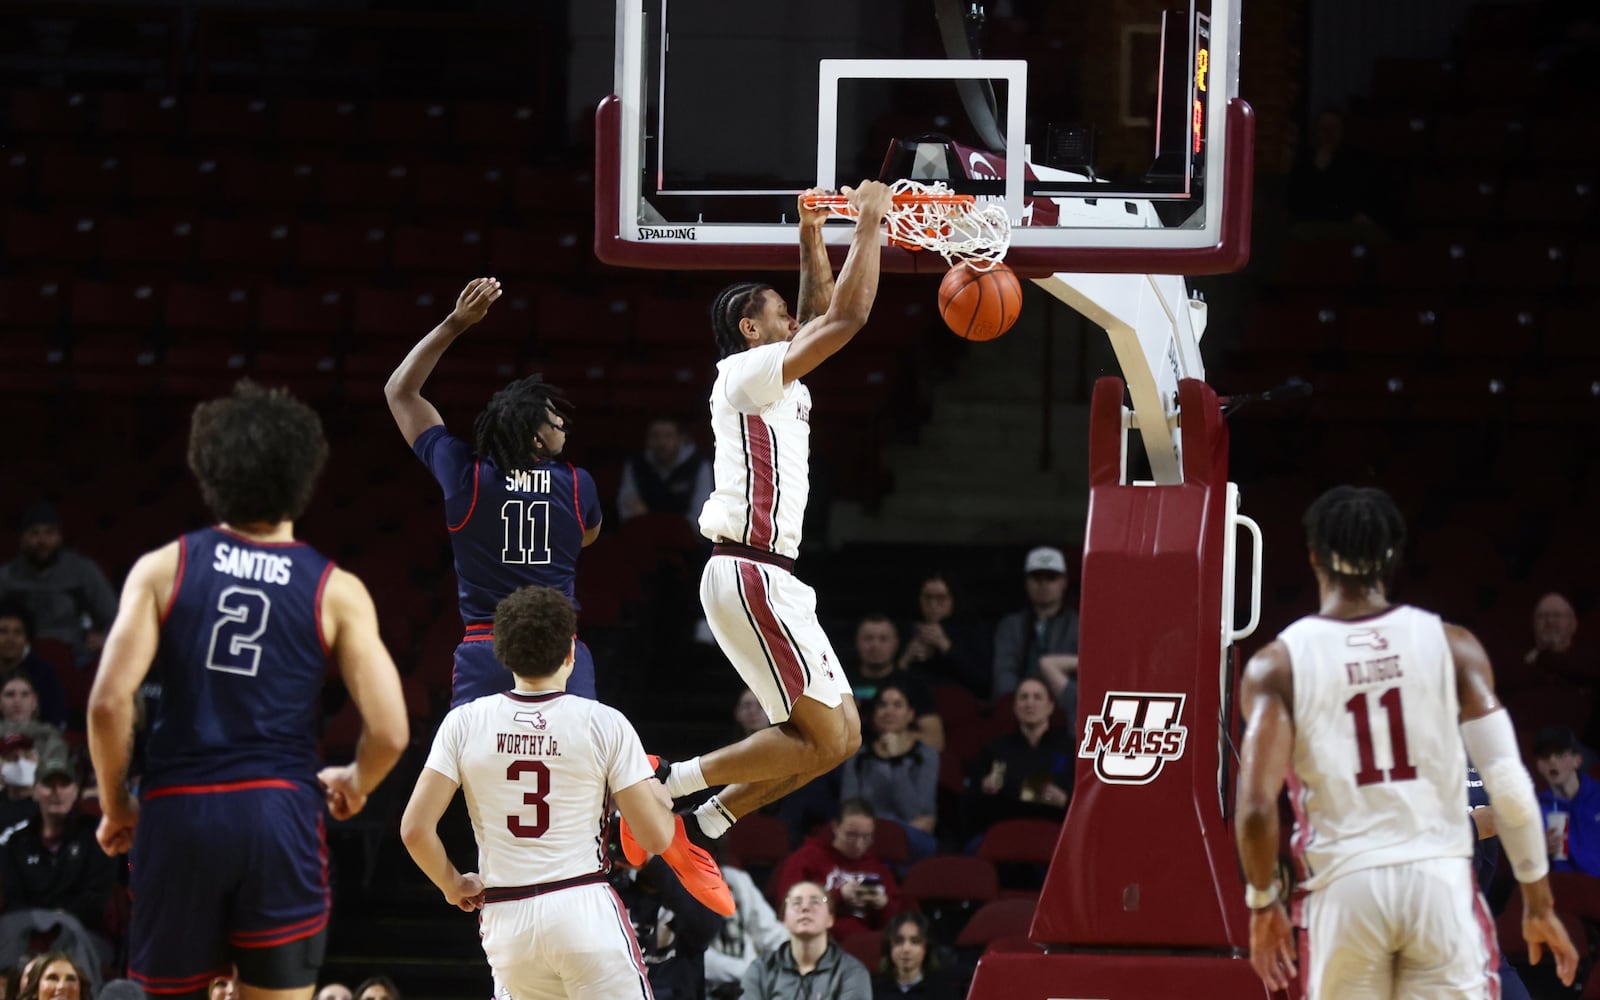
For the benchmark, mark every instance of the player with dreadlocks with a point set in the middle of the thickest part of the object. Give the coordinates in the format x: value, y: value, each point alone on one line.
x: 764, y: 618
x: 1371, y: 710
x: 517, y: 516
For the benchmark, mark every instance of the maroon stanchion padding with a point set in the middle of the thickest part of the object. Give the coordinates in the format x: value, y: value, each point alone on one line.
x: 1143, y: 898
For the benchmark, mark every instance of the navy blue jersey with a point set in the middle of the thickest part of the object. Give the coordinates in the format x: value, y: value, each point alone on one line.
x: 508, y: 530
x: 1485, y: 853
x: 240, y: 663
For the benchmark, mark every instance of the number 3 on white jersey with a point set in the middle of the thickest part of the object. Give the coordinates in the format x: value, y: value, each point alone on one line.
x: 244, y: 612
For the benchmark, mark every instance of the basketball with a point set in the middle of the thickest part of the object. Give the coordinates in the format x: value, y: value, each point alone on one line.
x: 980, y: 305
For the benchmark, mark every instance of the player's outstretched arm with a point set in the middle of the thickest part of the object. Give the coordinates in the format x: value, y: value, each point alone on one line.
x: 816, y: 271
x: 350, y: 628
x: 419, y: 830
x: 1491, y: 742
x: 404, y: 388
x: 648, y: 809
x: 851, y: 303
x: 1265, y: 696
x: 130, y: 649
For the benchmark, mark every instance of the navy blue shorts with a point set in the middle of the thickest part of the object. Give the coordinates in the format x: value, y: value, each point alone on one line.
x: 477, y: 673
x: 223, y: 874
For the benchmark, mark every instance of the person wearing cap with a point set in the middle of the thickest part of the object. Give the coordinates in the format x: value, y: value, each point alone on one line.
x: 60, y: 586
x: 1041, y: 640
x: 1570, y: 803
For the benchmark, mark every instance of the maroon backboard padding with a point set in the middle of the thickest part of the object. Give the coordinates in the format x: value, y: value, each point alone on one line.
x: 1231, y: 252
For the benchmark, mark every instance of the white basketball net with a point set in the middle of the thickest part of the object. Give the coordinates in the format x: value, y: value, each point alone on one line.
x: 977, y: 235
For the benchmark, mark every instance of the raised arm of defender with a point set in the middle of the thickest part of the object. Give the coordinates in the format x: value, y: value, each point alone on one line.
x: 857, y: 286
x: 403, y: 391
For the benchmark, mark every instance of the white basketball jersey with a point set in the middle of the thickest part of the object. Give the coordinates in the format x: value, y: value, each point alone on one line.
x: 535, y: 770
x: 1380, y: 775
x: 762, y: 464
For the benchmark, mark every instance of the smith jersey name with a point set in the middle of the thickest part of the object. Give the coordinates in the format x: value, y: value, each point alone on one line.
x: 261, y: 567
x: 527, y: 744
x: 1372, y: 671
x: 534, y: 481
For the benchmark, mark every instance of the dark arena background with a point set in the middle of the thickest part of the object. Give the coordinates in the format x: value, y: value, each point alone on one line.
x: 194, y: 192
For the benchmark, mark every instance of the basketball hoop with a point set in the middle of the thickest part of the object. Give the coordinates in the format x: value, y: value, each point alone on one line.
x: 932, y: 217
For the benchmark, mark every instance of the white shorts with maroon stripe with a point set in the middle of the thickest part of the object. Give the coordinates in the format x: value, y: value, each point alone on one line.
x: 1418, y: 930
x: 577, y: 943
x: 765, y: 620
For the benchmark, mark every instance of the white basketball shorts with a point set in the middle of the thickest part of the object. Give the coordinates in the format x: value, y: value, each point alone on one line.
x: 765, y: 620
x: 576, y: 943
x: 1418, y: 931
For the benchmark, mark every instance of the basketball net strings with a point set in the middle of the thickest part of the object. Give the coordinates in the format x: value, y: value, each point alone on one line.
x: 932, y: 217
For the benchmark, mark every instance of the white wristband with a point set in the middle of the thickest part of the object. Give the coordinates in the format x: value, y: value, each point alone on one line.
x: 1260, y: 899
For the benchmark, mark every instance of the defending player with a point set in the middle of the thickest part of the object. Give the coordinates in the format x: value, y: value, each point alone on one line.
x: 764, y: 618
x: 517, y: 516
x: 237, y: 622
x: 535, y: 766
x: 1370, y: 704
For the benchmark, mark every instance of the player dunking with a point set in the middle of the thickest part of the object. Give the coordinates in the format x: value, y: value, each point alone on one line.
x: 237, y: 622
x: 1369, y: 705
x: 517, y: 516
x: 535, y: 766
x: 764, y: 618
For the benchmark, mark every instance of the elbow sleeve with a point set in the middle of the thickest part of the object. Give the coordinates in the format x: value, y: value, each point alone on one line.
x: 1492, y: 745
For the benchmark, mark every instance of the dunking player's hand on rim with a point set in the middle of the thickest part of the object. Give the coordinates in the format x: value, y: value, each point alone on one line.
x: 872, y: 200
x: 812, y: 218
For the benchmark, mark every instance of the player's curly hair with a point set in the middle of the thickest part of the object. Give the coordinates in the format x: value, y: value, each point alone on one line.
x: 257, y: 454
x: 507, y: 430
x: 736, y: 302
x: 1357, y: 534
x: 533, y: 630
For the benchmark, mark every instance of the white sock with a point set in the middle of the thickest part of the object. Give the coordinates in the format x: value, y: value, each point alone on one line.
x: 714, y: 820
x: 685, y: 778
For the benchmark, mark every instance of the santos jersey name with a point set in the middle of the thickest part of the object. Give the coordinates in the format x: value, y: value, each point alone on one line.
x: 249, y: 564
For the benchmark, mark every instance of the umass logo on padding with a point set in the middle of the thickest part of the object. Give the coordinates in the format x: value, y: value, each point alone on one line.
x: 1133, y: 736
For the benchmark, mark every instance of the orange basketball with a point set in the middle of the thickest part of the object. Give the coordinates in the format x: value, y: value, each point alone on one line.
x: 980, y: 305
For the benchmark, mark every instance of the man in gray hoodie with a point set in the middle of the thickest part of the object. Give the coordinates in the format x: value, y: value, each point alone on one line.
x: 810, y: 966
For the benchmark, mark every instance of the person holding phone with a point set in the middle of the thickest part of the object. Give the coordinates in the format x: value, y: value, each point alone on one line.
x: 862, y: 888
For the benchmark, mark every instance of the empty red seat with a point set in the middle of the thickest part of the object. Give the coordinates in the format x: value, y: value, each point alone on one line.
x: 64, y: 238
x: 317, y: 120
x: 1002, y: 918
x: 164, y: 240
x: 33, y: 304
x: 347, y: 184
x: 468, y: 187
x: 251, y: 181
x: 257, y: 244
x: 140, y: 116
x: 81, y: 178
x: 229, y: 117
x: 214, y: 310
x: 336, y: 247
x: 455, y: 252
x: 407, y: 123
x: 129, y: 306
x: 383, y: 313
x: 496, y: 124
x: 303, y: 312
x: 48, y: 112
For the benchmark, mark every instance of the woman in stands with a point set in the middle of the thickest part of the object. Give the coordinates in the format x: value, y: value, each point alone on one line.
x: 897, y: 773
x: 910, y: 966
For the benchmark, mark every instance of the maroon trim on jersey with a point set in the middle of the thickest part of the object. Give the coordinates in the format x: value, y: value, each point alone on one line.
x: 577, y: 507
x: 532, y: 696
x: 165, y: 985
x: 509, y: 893
x: 739, y: 551
x: 276, y: 936
x: 219, y: 529
x: 1480, y: 912
x: 477, y: 467
x: 226, y: 786
x: 1362, y: 618
x: 316, y: 610
x: 763, y: 481
x: 785, y: 653
x: 177, y: 580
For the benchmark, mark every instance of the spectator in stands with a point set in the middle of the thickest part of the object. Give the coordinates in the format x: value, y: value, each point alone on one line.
x: 19, y: 762
x: 910, y: 966
x: 56, y: 975
x: 377, y: 988
x: 52, y: 862
x: 70, y: 599
x: 1555, y: 658
x: 1570, y: 802
x: 748, y: 715
x: 1027, y: 773
x: 862, y: 889
x: 944, y: 648
x: 223, y: 988
x: 876, y: 645
x: 19, y: 713
x: 1041, y: 640
x: 1332, y: 189
x: 18, y: 657
x: 334, y: 991
x: 811, y: 965
x: 752, y: 929
x: 897, y: 773
x: 671, y: 475
x: 674, y: 929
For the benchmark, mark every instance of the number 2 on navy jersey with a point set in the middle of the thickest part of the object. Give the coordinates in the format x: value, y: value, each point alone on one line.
x: 527, y: 527
x: 234, y: 649
x: 1360, y: 714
